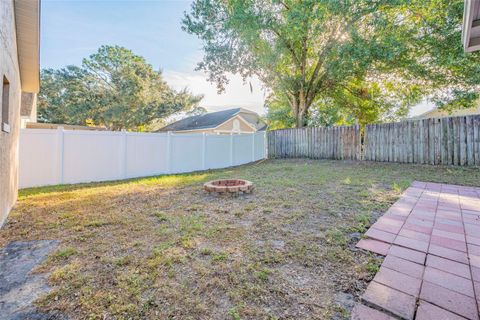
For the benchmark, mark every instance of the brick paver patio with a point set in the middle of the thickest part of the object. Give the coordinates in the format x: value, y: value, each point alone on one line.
x: 431, y: 240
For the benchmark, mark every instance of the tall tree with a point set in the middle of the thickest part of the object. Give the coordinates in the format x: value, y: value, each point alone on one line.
x: 346, y: 51
x: 113, y: 88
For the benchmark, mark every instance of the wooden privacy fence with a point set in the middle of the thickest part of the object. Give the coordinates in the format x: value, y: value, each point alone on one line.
x: 318, y: 143
x: 447, y: 141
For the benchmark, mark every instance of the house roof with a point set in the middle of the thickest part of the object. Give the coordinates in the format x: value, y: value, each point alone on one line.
x: 27, y: 23
x: 471, y: 26
x: 439, y: 113
x: 213, y: 120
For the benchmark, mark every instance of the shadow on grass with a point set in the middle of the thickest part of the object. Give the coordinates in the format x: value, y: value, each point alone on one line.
x: 163, y: 179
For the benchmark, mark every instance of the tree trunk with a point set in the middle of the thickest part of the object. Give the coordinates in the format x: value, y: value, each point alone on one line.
x: 300, y: 120
x: 302, y: 110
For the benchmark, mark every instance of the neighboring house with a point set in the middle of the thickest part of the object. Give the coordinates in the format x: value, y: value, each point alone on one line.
x: 20, y: 73
x: 437, y: 113
x: 471, y: 26
x: 232, y: 121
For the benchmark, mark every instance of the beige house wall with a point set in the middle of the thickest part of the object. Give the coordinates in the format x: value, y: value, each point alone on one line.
x: 228, y: 126
x: 9, y: 141
x: 435, y: 113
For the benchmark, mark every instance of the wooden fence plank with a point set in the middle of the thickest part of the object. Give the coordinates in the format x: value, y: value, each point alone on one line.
x: 463, y: 147
x: 469, y: 142
x: 476, y: 139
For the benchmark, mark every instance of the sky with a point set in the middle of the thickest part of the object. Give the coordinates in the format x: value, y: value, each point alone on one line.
x: 74, y: 29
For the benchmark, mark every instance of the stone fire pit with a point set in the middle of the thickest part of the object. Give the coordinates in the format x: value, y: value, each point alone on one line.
x: 229, y: 186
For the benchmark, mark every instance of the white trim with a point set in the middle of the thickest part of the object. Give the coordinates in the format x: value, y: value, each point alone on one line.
x: 231, y: 132
x: 191, y: 130
x: 246, y: 111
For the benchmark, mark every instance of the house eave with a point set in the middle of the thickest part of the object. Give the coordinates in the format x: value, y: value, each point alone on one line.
x: 471, y: 26
x: 27, y: 23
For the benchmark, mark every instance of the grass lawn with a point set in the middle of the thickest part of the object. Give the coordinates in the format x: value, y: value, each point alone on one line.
x: 161, y: 248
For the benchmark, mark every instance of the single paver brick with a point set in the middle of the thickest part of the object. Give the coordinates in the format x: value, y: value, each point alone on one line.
x: 362, y: 312
x: 449, y: 300
x: 398, y: 281
x: 448, y: 227
x: 447, y: 265
x: 474, y: 260
x: 386, y: 227
x: 427, y: 311
x: 404, y: 266
x: 398, y: 211
x: 448, y: 253
x: 472, y: 229
x: 420, y: 222
x: 411, y: 243
x: 392, y: 222
x: 449, y: 235
x: 408, y: 254
x: 414, y: 235
x: 473, y: 249
x: 449, y: 222
x: 394, y: 216
x: 414, y: 227
x: 430, y: 217
x: 476, y: 287
x: 475, y: 273
x: 469, y: 220
x: 396, y: 302
x: 374, y: 246
x: 449, y: 281
x: 423, y: 212
x: 449, y: 215
x: 448, y: 243
x: 472, y: 213
x: 380, y: 235
x: 473, y: 240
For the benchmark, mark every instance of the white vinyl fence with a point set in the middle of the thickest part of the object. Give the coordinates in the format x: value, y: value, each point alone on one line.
x: 49, y: 157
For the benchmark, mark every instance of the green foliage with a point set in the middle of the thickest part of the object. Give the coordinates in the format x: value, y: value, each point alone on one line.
x: 113, y: 88
x: 339, y: 61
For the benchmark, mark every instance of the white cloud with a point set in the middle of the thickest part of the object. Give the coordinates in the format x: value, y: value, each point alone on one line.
x: 250, y: 95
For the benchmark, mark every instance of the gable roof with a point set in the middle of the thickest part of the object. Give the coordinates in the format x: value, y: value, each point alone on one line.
x: 213, y: 120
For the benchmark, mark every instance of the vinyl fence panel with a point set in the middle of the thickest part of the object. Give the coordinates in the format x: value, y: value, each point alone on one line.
x: 39, y: 162
x: 49, y: 157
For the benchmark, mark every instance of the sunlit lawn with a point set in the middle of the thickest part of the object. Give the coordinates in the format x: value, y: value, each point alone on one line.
x: 161, y: 248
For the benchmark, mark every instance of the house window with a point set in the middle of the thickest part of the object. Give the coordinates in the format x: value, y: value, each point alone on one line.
x: 5, y: 123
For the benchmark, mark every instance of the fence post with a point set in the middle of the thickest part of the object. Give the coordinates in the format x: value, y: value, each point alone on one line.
x: 169, y: 152
x: 253, y: 146
x: 123, y: 154
x: 231, y: 149
x: 204, y: 150
x: 60, y: 154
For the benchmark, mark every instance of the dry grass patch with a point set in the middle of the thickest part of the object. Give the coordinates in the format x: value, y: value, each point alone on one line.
x: 161, y: 248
